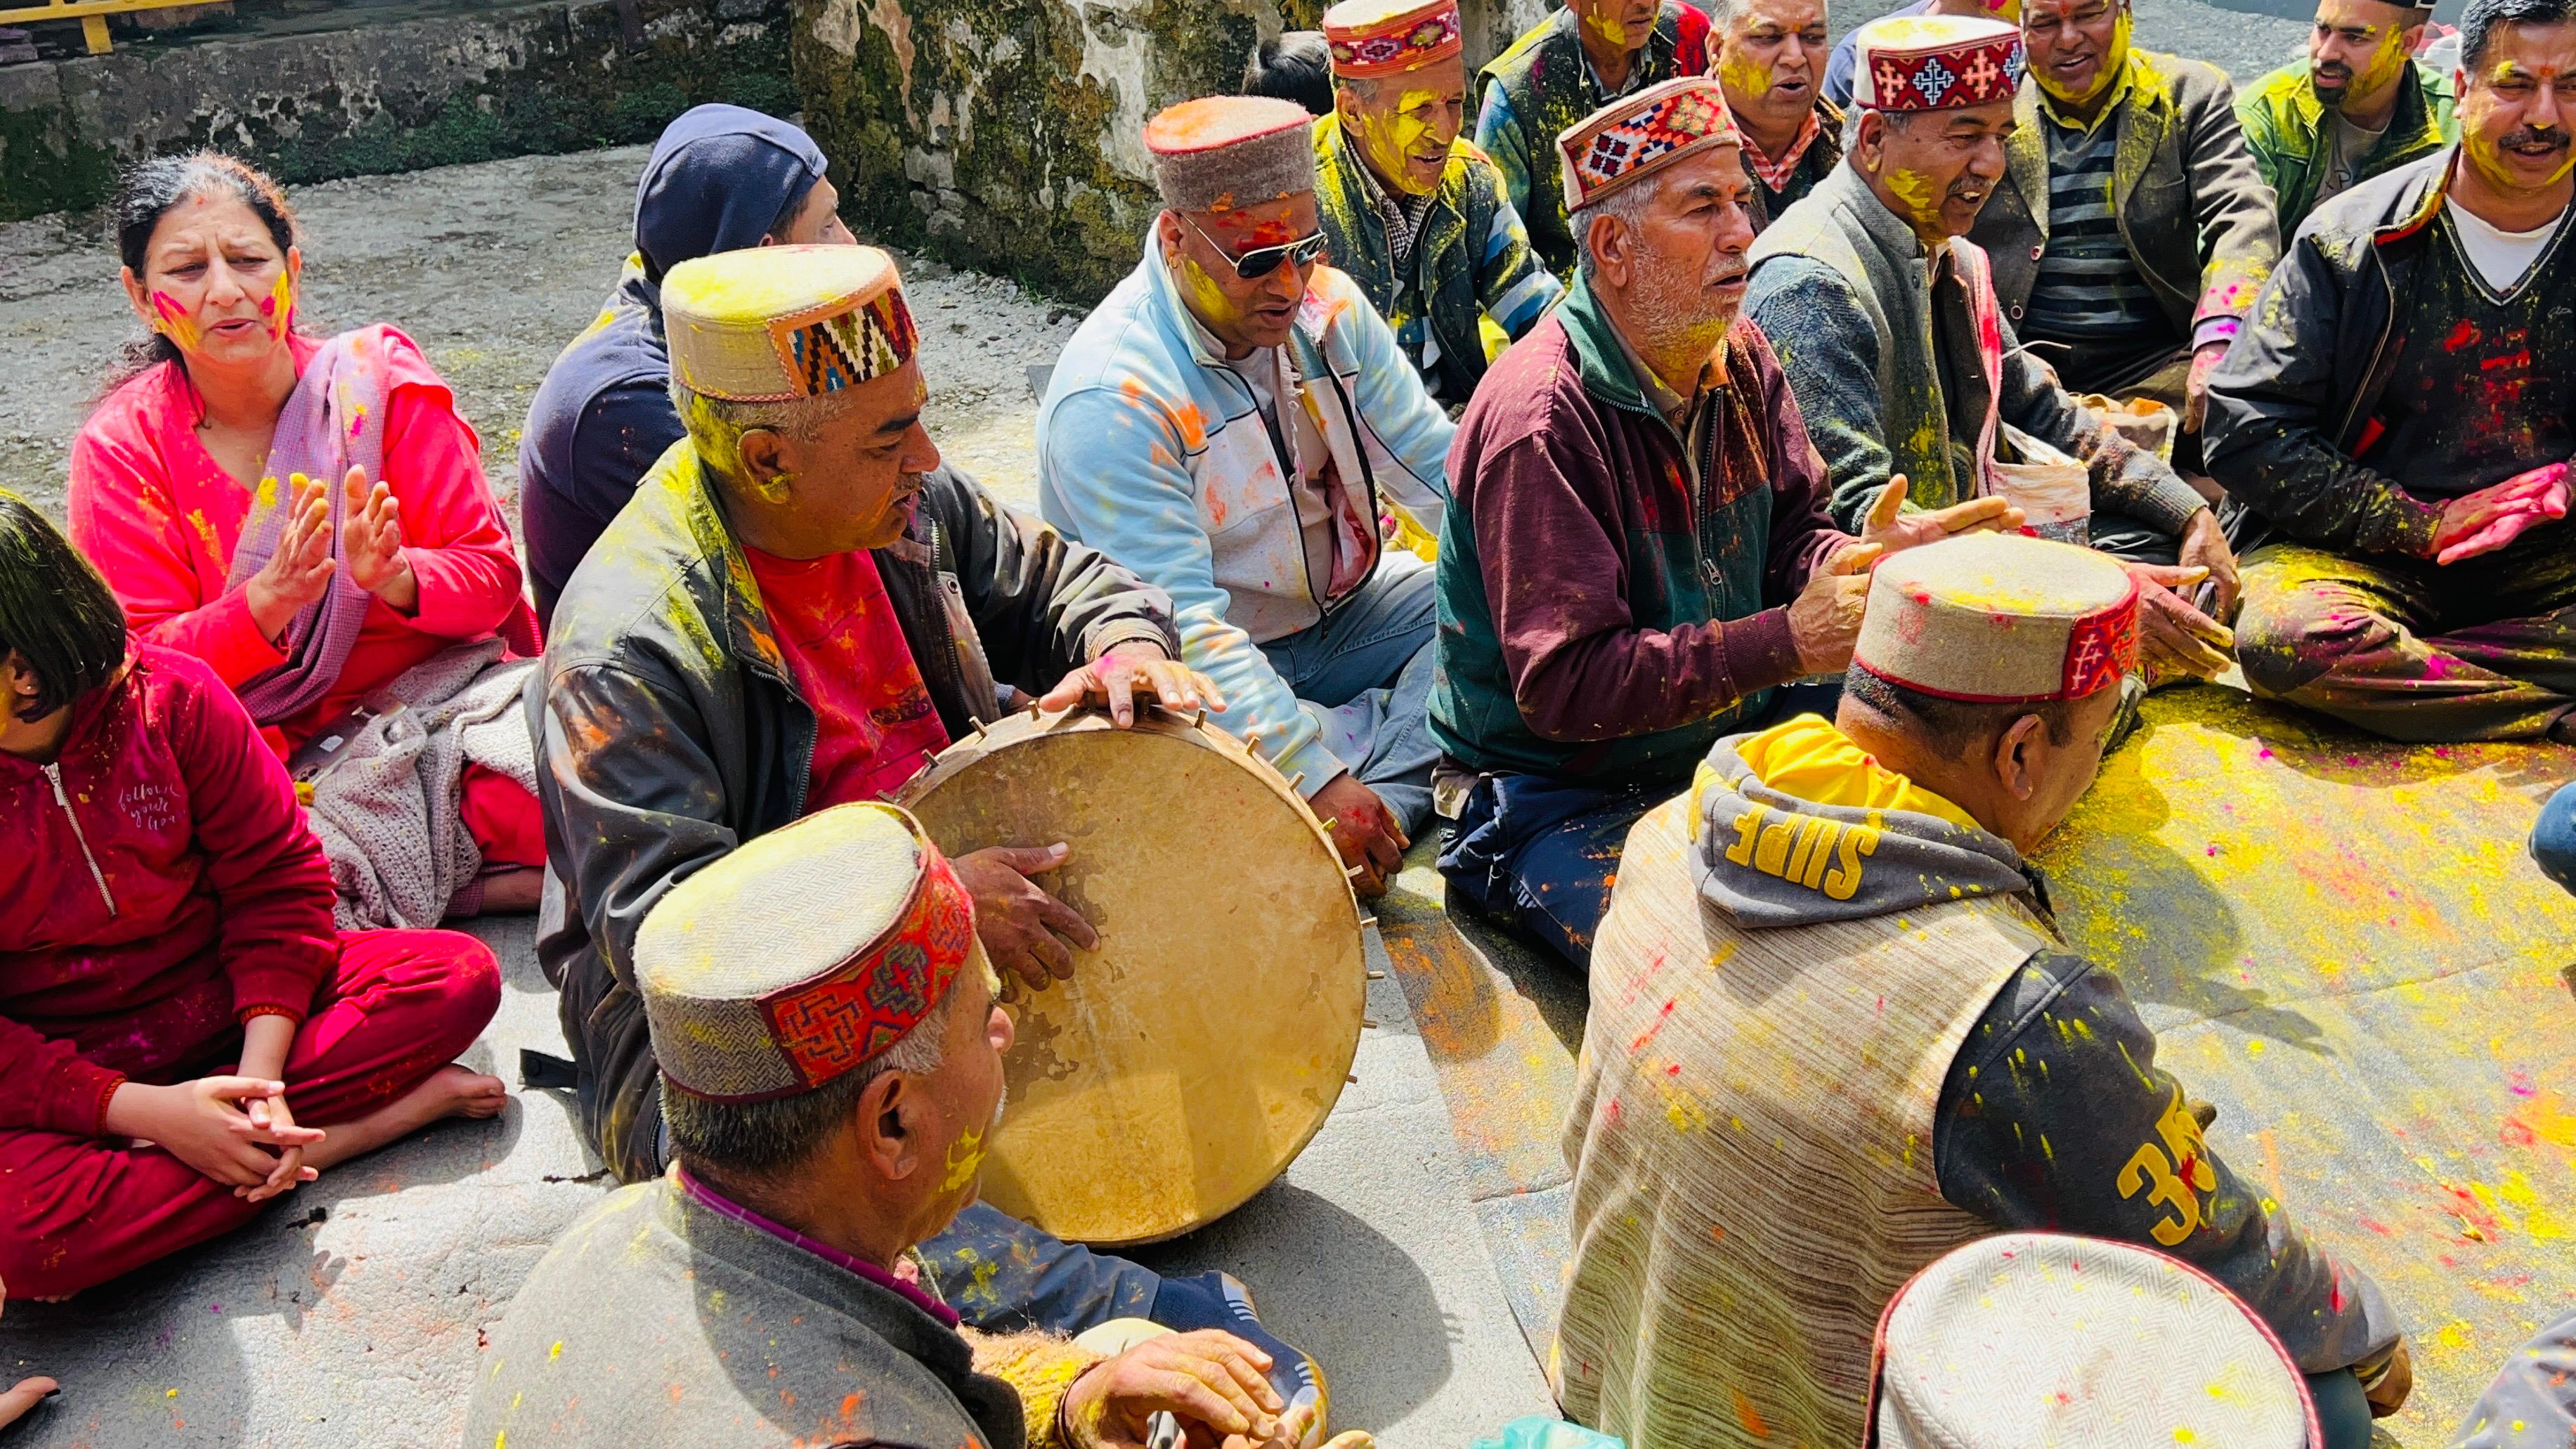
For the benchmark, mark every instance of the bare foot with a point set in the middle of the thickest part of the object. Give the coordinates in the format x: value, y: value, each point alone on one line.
x: 14, y: 1403
x: 451, y: 1091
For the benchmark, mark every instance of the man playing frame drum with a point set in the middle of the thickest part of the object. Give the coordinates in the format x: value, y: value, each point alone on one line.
x: 799, y: 608
x: 832, y: 1077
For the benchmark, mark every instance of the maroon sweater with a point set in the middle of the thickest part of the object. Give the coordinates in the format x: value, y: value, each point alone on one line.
x: 1605, y: 614
x: 209, y: 902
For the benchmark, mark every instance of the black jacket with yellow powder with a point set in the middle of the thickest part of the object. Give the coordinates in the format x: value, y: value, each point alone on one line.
x: 669, y: 730
x: 1785, y: 991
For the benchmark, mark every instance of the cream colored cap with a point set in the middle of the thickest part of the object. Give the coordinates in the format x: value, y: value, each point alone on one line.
x: 2000, y: 618
x: 800, y: 954
x: 770, y: 324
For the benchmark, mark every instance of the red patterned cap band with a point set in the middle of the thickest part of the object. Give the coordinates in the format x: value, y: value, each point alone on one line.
x: 844, y: 349
x: 800, y: 954
x: 1639, y: 134
x: 830, y: 1025
x: 2000, y: 619
x: 1388, y: 37
x: 1935, y: 63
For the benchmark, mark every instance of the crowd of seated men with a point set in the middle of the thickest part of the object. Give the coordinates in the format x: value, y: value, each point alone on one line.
x: 1642, y: 491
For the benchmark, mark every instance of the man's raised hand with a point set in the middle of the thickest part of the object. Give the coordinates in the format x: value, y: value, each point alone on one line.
x: 1893, y: 529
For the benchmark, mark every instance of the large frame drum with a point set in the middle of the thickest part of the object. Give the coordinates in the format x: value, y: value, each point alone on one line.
x: 1194, y: 1054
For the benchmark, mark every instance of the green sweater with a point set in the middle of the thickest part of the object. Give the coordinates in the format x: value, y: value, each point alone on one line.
x: 2285, y: 127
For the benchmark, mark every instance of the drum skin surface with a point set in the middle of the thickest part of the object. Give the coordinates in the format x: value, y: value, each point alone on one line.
x: 1197, y: 1050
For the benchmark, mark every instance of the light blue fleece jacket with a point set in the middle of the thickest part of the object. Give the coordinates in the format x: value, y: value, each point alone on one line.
x: 1153, y: 451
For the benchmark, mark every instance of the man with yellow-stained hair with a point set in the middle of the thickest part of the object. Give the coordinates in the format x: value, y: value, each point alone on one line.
x: 1833, y: 1035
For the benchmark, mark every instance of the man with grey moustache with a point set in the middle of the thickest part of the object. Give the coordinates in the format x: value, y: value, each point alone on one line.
x: 1885, y: 319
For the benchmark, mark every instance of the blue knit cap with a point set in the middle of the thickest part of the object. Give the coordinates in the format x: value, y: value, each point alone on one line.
x: 718, y: 177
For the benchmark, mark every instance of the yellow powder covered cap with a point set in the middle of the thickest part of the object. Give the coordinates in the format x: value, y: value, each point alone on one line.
x: 2000, y: 618
x: 801, y: 954
x: 1934, y: 63
x: 770, y: 324
x: 1388, y: 37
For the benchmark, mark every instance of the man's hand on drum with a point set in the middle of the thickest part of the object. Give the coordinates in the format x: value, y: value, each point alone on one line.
x: 1024, y: 929
x: 1212, y: 1381
x: 1370, y: 838
x: 1136, y: 668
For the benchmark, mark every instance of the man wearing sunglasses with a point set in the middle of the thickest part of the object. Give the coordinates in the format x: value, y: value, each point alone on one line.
x: 1232, y: 423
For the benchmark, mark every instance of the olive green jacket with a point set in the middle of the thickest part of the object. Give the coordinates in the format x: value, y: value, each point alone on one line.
x: 2193, y: 210
x: 2285, y: 127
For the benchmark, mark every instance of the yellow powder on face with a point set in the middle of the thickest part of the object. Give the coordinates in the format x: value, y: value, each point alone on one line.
x: 965, y: 1158
x: 2114, y: 59
x: 2476, y: 105
x: 1390, y: 139
x: 1207, y: 297
x: 1921, y: 197
x: 1744, y: 75
x: 172, y: 320
x: 1607, y: 28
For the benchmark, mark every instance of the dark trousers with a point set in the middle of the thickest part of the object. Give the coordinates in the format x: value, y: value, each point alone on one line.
x: 2484, y: 649
x: 1540, y: 853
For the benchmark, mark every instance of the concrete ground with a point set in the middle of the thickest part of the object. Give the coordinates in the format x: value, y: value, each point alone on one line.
x: 353, y: 1312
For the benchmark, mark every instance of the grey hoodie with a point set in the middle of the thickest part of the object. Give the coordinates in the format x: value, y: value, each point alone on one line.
x: 2036, y: 1122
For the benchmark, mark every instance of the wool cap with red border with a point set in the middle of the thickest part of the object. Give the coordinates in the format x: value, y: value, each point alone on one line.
x: 2000, y: 618
x: 1221, y: 153
x: 801, y: 954
x: 2026, y: 1340
x: 1934, y: 63
x: 773, y: 324
x: 1638, y: 135
x: 1372, y: 38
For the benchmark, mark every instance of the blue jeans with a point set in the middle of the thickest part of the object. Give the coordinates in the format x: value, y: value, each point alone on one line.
x: 1364, y: 676
x: 2553, y: 839
x: 1540, y: 852
x: 1003, y: 1275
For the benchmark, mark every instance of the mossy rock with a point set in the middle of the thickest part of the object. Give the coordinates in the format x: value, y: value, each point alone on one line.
x: 975, y: 131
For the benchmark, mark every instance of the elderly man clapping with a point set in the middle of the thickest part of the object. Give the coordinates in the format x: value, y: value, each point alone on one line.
x: 1636, y: 554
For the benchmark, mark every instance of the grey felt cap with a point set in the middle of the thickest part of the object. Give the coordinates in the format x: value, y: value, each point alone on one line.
x: 1219, y: 153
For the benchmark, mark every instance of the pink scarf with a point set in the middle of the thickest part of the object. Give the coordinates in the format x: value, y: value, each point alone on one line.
x: 333, y: 421
x: 1977, y: 279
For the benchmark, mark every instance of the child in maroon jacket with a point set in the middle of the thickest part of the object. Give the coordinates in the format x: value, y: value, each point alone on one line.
x: 184, y: 1035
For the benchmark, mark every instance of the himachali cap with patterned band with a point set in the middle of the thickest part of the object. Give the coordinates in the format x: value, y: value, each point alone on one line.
x: 1999, y: 618
x: 1372, y: 38
x: 801, y: 955
x: 1934, y: 63
x: 1218, y: 153
x: 2028, y: 1340
x: 772, y: 324
x: 1640, y: 134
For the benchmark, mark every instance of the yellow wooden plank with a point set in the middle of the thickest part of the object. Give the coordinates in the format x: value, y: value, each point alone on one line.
x: 84, y: 10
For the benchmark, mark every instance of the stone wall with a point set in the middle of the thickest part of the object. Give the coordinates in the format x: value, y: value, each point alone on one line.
x: 1006, y: 134
x: 470, y: 85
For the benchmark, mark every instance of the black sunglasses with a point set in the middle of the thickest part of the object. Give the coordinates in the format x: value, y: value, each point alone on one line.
x: 1262, y: 261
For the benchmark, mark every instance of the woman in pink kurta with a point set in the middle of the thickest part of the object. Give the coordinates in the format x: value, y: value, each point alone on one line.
x: 186, y: 455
